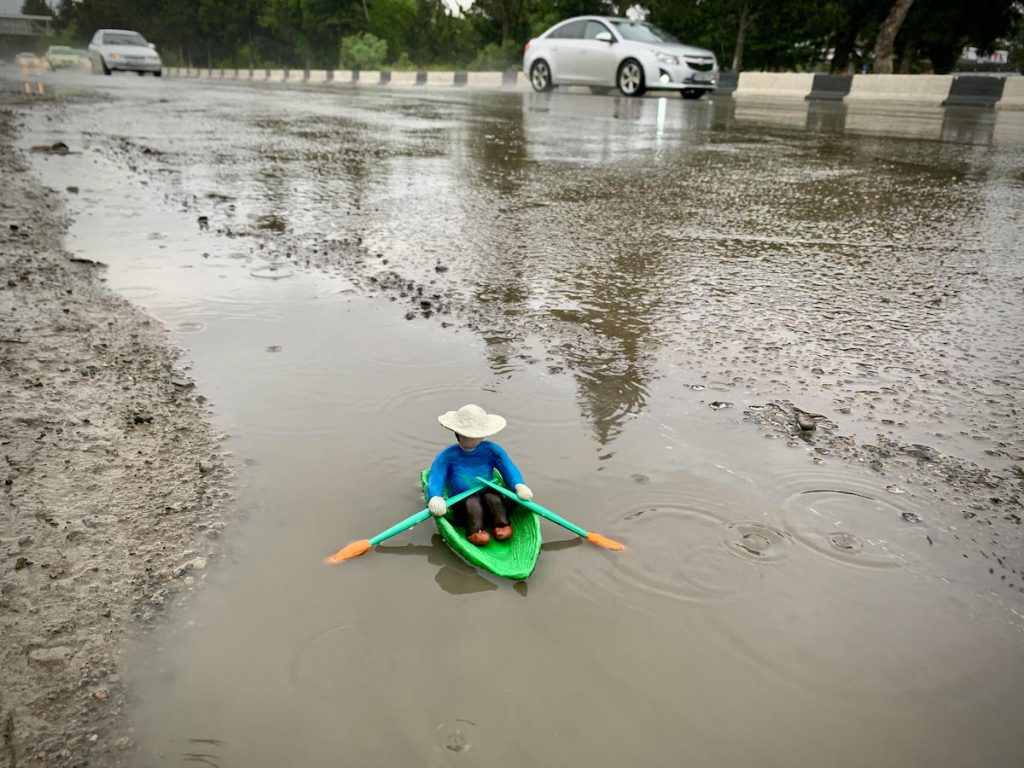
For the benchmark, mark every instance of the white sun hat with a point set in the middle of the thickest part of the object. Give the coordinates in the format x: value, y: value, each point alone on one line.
x: 472, y: 421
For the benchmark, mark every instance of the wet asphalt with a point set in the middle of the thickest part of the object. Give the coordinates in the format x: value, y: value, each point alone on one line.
x: 655, y: 293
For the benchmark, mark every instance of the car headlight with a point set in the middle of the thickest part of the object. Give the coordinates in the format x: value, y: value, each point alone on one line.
x: 115, y: 56
x: 666, y: 58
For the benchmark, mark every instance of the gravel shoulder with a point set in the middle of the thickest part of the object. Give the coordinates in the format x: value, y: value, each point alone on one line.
x: 114, y: 491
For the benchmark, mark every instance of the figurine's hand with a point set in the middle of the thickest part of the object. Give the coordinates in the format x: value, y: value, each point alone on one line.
x: 523, y: 492
x: 437, y: 506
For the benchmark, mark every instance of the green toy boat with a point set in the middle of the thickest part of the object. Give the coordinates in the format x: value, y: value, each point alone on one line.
x: 512, y: 559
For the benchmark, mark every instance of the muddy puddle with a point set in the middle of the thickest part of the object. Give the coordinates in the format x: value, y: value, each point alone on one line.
x: 627, y: 282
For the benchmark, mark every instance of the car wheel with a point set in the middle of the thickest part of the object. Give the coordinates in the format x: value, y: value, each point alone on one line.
x: 692, y: 93
x: 631, y: 78
x: 540, y: 76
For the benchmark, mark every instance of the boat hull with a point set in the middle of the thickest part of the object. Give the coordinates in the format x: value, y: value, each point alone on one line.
x: 512, y: 559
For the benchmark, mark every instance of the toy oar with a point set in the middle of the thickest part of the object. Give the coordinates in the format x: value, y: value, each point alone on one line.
x: 356, y: 548
x: 593, y: 538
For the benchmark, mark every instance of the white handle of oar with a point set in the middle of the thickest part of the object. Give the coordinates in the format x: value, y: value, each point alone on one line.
x: 437, y: 506
x: 523, y: 492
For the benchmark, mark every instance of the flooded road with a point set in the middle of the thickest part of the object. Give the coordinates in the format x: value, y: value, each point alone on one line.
x: 630, y: 283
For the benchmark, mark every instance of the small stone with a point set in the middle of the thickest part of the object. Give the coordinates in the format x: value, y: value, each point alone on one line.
x: 22, y: 562
x: 805, y: 422
x: 719, y: 405
x: 101, y: 694
x: 123, y: 743
x: 206, y: 467
x: 199, y: 563
x: 910, y: 517
x: 894, y: 489
x: 440, y: 268
x: 73, y: 190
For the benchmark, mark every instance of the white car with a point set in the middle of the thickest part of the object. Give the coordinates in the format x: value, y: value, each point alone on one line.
x: 604, y: 51
x: 123, y: 50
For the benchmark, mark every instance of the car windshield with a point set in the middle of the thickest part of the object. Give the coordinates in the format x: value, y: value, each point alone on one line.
x: 123, y: 38
x: 642, y: 32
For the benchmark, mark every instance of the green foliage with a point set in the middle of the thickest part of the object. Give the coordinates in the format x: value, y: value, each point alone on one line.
x: 365, y: 51
x: 490, y: 34
x: 403, y: 62
x: 35, y: 8
x: 494, y: 57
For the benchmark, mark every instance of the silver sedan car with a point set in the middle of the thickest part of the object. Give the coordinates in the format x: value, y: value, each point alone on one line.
x: 123, y: 49
x: 604, y: 51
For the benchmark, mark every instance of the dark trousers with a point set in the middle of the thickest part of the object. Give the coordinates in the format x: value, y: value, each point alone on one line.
x: 480, y: 512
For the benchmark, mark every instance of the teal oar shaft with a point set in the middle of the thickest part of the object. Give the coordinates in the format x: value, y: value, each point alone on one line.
x: 418, y: 518
x: 542, y: 511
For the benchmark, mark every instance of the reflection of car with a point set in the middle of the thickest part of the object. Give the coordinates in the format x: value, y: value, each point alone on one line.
x: 58, y: 56
x: 124, y: 50
x: 601, y: 51
x: 29, y: 62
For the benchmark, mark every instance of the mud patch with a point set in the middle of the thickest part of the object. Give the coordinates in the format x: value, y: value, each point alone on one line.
x: 113, y: 487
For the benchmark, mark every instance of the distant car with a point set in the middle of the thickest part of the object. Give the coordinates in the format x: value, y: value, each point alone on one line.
x: 29, y: 62
x: 605, y: 51
x: 123, y: 50
x: 58, y: 56
x: 83, y: 57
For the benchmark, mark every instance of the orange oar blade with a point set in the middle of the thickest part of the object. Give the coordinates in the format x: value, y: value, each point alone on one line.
x: 355, y: 549
x: 604, y: 541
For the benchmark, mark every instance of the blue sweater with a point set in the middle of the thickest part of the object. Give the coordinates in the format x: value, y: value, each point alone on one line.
x: 457, y: 469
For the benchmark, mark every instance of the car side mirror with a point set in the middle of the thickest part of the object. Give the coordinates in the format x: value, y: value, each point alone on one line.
x: 604, y: 37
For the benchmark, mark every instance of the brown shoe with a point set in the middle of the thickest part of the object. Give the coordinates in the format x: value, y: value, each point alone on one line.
x: 503, y: 532
x: 480, y: 538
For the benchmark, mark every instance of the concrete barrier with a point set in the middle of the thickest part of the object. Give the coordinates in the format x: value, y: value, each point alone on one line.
x: 370, y: 77
x: 830, y: 87
x: 906, y: 89
x: 726, y: 85
x: 231, y: 74
x: 342, y: 76
x: 277, y: 75
x: 774, y: 85
x: 442, y: 79
x: 975, y: 91
x: 247, y: 74
x: 317, y: 76
x: 517, y: 81
x: 403, y: 78
x: 485, y: 79
x: 1013, y: 94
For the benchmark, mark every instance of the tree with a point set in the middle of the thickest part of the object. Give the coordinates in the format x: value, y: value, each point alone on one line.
x: 884, y: 43
x: 747, y: 12
x: 36, y: 8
